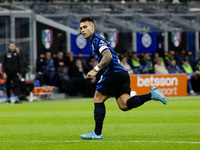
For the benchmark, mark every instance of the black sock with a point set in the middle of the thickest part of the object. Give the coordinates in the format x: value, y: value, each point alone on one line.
x: 99, y: 115
x: 138, y: 100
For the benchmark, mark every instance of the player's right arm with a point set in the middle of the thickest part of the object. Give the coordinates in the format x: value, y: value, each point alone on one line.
x: 107, y: 57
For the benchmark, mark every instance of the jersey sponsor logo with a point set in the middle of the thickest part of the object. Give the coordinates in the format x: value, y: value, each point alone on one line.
x: 81, y: 42
x: 47, y: 38
x: 146, y: 40
x: 176, y: 38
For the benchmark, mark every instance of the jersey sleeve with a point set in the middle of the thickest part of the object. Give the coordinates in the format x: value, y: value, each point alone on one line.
x: 102, y: 46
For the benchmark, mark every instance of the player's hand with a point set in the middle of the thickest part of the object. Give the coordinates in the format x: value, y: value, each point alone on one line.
x: 93, y: 80
x: 4, y: 76
x: 91, y: 74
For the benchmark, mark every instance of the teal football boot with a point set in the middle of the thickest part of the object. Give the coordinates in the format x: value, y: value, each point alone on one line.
x: 157, y: 96
x: 91, y: 135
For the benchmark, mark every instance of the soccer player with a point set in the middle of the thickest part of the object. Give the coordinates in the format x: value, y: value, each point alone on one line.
x: 115, y: 80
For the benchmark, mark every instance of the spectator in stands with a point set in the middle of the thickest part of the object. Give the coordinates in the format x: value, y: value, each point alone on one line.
x: 25, y: 93
x: 173, y: 67
x: 134, y: 62
x: 126, y: 65
x: 61, y: 68
x: 84, y: 85
x: 198, y: 65
x: 169, y: 56
x: 40, y: 68
x: 71, y: 57
x: 125, y: 54
x: 89, y: 60
x: 147, y: 65
x: 83, y: 60
x: 78, y: 70
x: 50, y: 69
x: 60, y: 60
x: 70, y: 62
x: 195, y: 80
x: 191, y: 59
x: 190, y: 73
x: 181, y: 57
x: 160, y: 68
x: 155, y: 57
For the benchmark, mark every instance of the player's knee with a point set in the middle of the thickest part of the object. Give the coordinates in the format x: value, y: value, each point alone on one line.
x: 98, y: 100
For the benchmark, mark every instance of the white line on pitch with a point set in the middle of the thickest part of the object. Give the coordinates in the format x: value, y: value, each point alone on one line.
x: 95, y: 141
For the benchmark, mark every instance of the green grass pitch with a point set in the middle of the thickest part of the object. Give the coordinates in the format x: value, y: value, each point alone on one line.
x: 57, y: 124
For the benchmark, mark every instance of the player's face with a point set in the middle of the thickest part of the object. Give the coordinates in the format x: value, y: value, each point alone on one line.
x: 87, y: 29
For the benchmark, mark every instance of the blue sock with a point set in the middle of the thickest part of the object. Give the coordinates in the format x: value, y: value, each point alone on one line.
x: 99, y: 115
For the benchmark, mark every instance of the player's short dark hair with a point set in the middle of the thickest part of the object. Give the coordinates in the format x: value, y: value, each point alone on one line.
x: 84, y: 19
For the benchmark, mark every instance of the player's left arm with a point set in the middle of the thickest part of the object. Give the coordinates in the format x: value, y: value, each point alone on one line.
x: 107, y: 57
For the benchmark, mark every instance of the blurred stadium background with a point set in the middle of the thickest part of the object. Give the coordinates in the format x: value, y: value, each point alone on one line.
x: 140, y: 26
x: 170, y: 29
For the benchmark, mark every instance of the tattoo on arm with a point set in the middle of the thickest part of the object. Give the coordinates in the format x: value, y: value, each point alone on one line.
x: 107, y: 57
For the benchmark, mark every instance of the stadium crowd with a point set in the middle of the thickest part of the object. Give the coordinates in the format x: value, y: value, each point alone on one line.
x: 68, y: 73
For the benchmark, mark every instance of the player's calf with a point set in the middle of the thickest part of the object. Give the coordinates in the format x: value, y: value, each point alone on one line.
x: 137, y: 100
x: 123, y: 107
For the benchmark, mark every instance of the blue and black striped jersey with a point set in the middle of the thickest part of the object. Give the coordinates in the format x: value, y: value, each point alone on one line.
x: 98, y: 45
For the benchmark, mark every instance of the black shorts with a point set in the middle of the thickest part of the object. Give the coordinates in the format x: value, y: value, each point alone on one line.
x: 114, y: 84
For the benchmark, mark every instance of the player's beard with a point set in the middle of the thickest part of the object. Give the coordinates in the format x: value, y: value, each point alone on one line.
x: 89, y: 37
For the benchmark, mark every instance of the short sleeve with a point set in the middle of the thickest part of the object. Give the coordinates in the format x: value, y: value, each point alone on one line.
x: 102, y: 46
